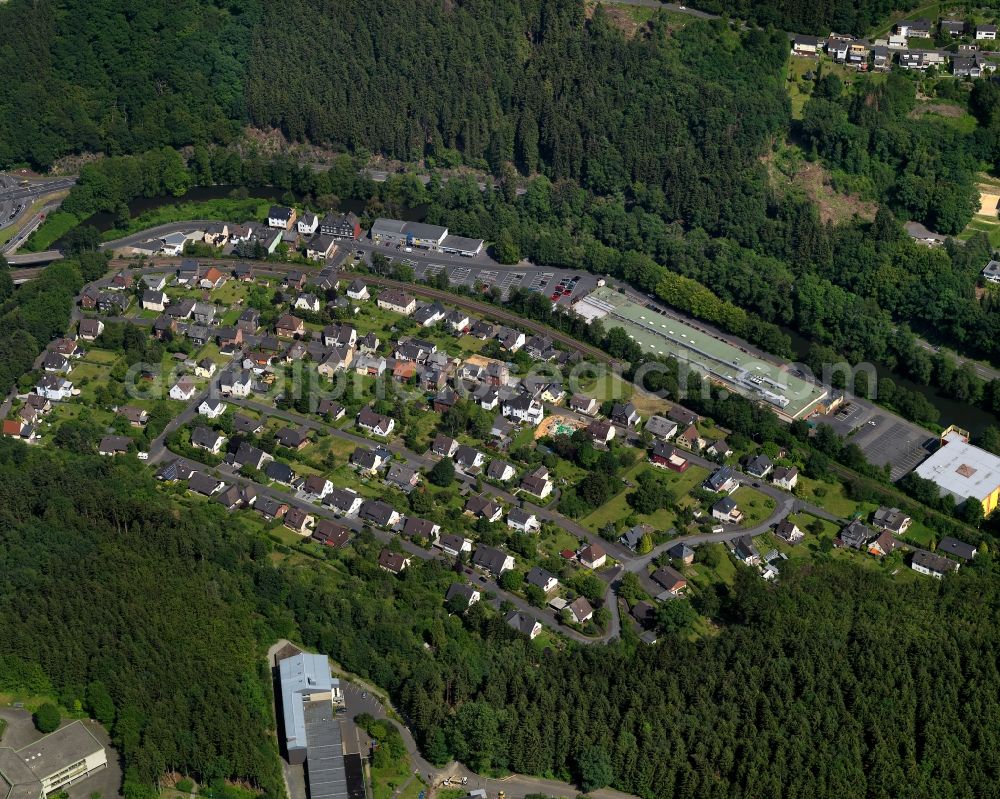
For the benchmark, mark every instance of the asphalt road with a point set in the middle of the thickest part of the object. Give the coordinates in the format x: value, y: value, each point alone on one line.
x: 15, y: 199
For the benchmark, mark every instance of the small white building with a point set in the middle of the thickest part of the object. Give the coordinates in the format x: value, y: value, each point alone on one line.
x: 183, y: 390
x: 358, y: 291
x: 212, y: 408
x: 239, y: 384
x: 307, y: 224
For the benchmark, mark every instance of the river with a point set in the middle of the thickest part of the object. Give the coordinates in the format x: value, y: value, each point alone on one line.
x: 968, y: 417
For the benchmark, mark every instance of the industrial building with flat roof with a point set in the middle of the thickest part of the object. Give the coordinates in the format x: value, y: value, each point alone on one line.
x: 428, y: 237
x: 964, y: 471
x: 61, y: 758
x: 657, y: 333
x: 309, y: 697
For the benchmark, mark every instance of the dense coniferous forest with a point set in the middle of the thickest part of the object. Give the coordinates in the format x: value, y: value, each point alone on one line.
x: 108, y: 592
x: 838, y: 683
x: 114, y: 76
x: 815, y: 16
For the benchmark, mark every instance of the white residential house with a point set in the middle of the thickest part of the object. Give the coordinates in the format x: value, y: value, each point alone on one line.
x: 184, y: 390
x: 316, y: 487
x: 212, y: 408
x: 510, y: 339
x: 154, y: 301
x: 523, y: 520
x: 524, y: 409
x: 500, y: 470
x: 785, y: 477
x: 344, y: 501
x: 173, y: 244
x: 155, y: 282
x: 307, y: 224
x: 280, y: 217
x: 358, y: 291
x: 593, y: 556
x: 457, y: 321
x: 453, y: 545
x: 986, y: 33
x: 54, y: 388
x: 375, y: 423
x: 239, y: 384
x: 396, y: 301
x: 308, y: 302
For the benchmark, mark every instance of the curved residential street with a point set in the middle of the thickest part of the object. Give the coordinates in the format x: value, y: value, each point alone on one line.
x: 785, y: 503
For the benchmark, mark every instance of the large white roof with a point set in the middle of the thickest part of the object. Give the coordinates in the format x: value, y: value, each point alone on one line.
x: 961, y: 469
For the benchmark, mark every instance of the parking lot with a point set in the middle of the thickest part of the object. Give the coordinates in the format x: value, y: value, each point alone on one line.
x: 882, y: 438
x: 536, y: 279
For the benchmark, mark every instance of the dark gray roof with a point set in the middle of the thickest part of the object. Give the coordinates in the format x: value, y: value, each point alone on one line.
x: 758, y: 465
x: 205, y: 437
x: 719, y: 478
x: 521, y: 622
x: 281, y: 472
x: 376, y: 511
x: 952, y: 546
x: 202, y: 483
x: 489, y: 558
x: 268, y: 506
x: 324, y: 752
x: 936, y: 563
x: 460, y: 589
x: 538, y: 577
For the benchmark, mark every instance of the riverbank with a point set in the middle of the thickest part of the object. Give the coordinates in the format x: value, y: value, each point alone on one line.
x: 55, y: 229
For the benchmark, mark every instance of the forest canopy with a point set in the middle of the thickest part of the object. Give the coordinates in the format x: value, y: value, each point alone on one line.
x: 841, y: 682
x: 811, y: 16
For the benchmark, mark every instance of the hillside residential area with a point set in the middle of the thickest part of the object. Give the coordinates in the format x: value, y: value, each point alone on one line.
x: 576, y: 399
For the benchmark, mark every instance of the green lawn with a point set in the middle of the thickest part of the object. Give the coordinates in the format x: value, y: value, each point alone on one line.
x: 554, y: 543
x: 55, y: 226
x: 180, y: 211
x: 230, y: 292
x: 756, y: 506
x: 701, y: 575
x: 387, y: 779
x: 982, y: 224
x: 830, y: 496
x: 618, y: 508
x: 97, y: 355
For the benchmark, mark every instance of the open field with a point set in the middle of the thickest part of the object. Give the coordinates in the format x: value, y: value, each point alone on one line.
x: 790, y: 172
x: 756, y: 506
x: 617, y: 507
x: 829, y: 496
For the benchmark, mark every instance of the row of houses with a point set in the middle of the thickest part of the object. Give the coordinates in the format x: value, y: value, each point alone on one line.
x: 967, y: 62
x: 954, y: 28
